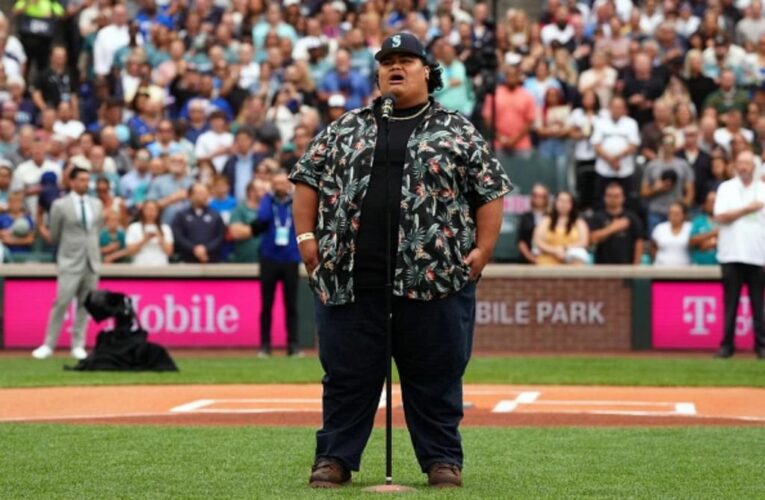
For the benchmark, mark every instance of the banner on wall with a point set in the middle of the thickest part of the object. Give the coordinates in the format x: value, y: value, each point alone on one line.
x: 176, y: 313
x: 690, y: 315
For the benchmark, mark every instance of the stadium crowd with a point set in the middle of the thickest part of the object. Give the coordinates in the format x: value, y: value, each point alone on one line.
x: 183, y: 111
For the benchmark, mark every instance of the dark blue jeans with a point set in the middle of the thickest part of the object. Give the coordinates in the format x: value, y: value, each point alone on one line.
x: 432, y: 341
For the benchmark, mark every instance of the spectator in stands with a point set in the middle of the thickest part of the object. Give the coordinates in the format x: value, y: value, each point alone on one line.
x: 240, y: 166
x: 197, y: 122
x: 149, y: 242
x: 300, y: 141
x: 751, y: 27
x: 198, y: 231
x: 26, y: 177
x: 114, y: 150
x: 102, y: 166
x: 457, y: 93
x: 540, y: 201
x: 6, y: 174
x: 171, y: 190
x: 110, y: 39
x: 615, y: 139
x: 26, y: 111
x: 733, y: 126
x: 246, y: 247
x: 666, y: 180
x: 699, y: 85
x: 66, y: 125
x: 580, y: 125
x: 700, y: 162
x: 641, y: 88
x: 75, y: 224
x: 37, y: 28
x: 222, y: 201
x: 9, y: 142
x: 600, y: 78
x: 17, y: 230
x: 215, y: 144
x: 616, y: 233
x: 670, y: 239
x: 552, y: 131
x: 135, y: 183
x: 516, y: 113
x: 165, y: 143
x: 111, y: 203
x: 728, y: 96
x: 704, y: 233
x: 723, y: 55
x: 741, y: 249
x: 540, y: 81
x: 53, y: 84
x: 112, y: 239
x: 562, y: 236
x: 652, y: 133
x: 345, y: 80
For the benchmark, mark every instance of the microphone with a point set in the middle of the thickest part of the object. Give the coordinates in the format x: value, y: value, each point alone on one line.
x: 388, y: 101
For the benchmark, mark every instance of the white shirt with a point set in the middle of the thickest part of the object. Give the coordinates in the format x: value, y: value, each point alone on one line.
x: 248, y: 75
x: 615, y: 137
x: 552, y: 32
x: 151, y: 253
x: 72, y: 129
x: 743, y: 240
x: 672, y: 249
x: 78, y: 208
x: 723, y: 137
x: 583, y: 150
x: 28, y: 174
x: 210, y: 142
x: 108, y: 41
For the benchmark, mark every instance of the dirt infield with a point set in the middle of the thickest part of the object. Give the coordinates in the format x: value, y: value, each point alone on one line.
x: 300, y: 405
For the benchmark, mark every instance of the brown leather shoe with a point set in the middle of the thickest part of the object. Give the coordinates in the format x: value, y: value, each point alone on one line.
x: 444, y: 476
x: 328, y: 473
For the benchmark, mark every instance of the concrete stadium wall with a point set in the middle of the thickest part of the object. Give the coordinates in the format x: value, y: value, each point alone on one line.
x: 519, y: 308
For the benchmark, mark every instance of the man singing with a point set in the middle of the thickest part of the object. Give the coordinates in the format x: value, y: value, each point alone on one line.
x: 445, y: 203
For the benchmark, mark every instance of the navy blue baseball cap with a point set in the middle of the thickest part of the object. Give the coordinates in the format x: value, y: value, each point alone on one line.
x: 401, y: 43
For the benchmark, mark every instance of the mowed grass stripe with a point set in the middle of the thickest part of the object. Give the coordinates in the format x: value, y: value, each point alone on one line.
x: 68, y: 461
x: 606, y: 370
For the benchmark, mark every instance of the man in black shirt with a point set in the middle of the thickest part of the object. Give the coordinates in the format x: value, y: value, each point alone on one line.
x: 641, y: 89
x: 616, y: 233
x: 55, y: 85
x: 198, y: 231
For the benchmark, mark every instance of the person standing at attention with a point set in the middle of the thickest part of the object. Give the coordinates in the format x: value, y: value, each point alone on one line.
x: 741, y: 249
x: 445, y: 205
x: 75, y: 225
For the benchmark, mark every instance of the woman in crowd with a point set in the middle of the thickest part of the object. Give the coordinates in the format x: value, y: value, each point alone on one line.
x: 562, y: 236
x: 149, y: 242
x: 245, y: 246
x: 581, y: 122
x: 670, y: 239
x: 552, y: 129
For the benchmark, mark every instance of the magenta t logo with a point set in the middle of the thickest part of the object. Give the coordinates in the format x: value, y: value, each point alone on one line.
x: 699, y: 312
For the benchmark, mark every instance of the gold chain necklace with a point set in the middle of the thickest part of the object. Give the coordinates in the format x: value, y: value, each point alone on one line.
x: 402, y: 118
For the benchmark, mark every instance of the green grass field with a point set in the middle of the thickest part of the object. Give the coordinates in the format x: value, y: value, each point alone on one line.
x: 606, y: 370
x: 69, y: 461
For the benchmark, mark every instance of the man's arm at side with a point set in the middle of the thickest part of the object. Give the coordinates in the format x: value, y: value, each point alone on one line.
x: 305, y: 209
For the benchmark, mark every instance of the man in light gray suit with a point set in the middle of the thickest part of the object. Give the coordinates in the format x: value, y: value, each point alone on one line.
x: 75, y: 224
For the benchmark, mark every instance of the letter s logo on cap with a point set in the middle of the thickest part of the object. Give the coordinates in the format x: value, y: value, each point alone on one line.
x: 396, y: 41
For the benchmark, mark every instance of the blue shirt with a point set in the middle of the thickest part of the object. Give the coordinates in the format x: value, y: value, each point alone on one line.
x: 224, y: 207
x: 276, y: 213
x: 353, y: 86
x: 243, y: 176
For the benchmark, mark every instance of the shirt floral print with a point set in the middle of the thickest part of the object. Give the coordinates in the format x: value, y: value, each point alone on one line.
x: 449, y: 171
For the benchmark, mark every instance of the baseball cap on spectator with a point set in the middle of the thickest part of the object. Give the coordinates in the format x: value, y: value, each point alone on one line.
x: 339, y: 6
x: 336, y: 101
x: 401, y: 43
x: 290, y: 3
x: 80, y: 161
x: 5, y: 162
x: 513, y: 59
x: 313, y: 42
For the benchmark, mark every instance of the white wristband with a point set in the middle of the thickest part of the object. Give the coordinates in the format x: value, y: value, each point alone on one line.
x: 304, y: 237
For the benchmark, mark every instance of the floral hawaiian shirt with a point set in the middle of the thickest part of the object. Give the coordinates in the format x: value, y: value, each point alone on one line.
x: 449, y: 171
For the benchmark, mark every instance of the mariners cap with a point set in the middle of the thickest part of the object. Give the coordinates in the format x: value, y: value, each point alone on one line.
x: 401, y: 43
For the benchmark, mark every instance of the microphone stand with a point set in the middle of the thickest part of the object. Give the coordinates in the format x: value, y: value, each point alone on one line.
x: 388, y: 487
x: 388, y: 315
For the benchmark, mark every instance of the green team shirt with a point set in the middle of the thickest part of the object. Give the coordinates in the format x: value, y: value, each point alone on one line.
x: 40, y: 8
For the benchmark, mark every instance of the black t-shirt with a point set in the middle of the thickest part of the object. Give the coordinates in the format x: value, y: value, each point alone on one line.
x: 369, y: 260
x: 619, y: 248
x: 651, y: 89
x: 526, y: 227
x: 55, y: 87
